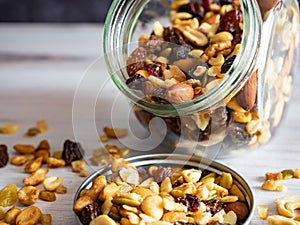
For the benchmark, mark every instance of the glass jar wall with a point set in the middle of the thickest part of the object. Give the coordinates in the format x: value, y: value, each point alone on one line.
x: 218, y: 73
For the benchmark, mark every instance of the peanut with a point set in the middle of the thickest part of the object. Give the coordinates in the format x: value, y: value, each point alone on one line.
x: 28, y: 216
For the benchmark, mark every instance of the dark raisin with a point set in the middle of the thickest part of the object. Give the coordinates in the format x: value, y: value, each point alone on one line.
x: 135, y: 82
x: 136, y: 60
x: 90, y: 212
x: 72, y: 151
x: 238, y: 134
x: 173, y: 35
x: 155, y: 70
x: 226, y: 2
x: 181, y: 52
x: 219, y: 116
x: 183, y: 223
x: 3, y: 156
x: 192, y: 202
x: 230, y: 21
x: 162, y: 173
x: 227, y: 64
x: 213, y: 206
x: 194, y: 8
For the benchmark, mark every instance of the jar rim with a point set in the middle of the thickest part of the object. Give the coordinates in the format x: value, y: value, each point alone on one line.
x: 235, y: 78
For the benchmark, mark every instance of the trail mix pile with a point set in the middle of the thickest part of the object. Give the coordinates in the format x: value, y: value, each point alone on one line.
x: 161, y: 196
x: 179, y: 63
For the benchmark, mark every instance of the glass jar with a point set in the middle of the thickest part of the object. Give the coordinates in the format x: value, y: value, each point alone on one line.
x: 237, y: 109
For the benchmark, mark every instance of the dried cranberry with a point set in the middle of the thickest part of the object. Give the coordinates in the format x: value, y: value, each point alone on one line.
x: 194, y: 8
x: 90, y: 212
x: 230, y: 21
x: 207, y: 3
x: 161, y: 173
x: 135, y: 82
x: 3, y: 156
x: 227, y: 64
x: 213, y: 206
x: 155, y: 70
x: 136, y: 60
x: 72, y: 151
x: 192, y: 202
x: 173, y: 35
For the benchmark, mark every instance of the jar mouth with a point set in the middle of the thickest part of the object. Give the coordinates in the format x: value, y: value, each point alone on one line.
x: 118, y: 32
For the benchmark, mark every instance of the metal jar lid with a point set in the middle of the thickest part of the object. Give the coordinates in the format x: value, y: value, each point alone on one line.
x: 176, y: 160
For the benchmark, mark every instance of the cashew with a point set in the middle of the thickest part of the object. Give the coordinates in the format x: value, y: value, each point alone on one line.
x: 281, y: 220
x: 287, y: 205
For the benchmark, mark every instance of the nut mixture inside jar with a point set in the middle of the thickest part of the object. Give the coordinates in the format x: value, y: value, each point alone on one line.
x: 179, y: 63
x: 161, y: 195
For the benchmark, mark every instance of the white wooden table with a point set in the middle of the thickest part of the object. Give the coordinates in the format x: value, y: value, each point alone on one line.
x: 44, y: 69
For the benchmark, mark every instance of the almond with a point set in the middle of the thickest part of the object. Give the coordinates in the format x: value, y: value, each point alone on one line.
x: 246, y: 97
x: 180, y: 93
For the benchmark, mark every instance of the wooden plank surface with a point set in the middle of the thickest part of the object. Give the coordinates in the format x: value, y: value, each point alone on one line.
x: 57, y: 73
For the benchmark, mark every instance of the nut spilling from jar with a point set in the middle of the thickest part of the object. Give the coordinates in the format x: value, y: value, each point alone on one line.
x: 162, y: 195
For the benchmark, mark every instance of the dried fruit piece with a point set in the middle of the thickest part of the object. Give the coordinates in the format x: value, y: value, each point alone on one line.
x: 28, y: 195
x: 24, y: 149
x: 192, y: 202
x: 28, y: 216
x: 72, y: 151
x: 213, y: 206
x: 48, y: 196
x: 136, y: 60
x: 8, y: 195
x: 4, y: 157
x: 61, y: 189
x: 78, y: 165
x: 9, y: 128
x: 90, y: 212
x: 45, y: 219
x: 115, y: 132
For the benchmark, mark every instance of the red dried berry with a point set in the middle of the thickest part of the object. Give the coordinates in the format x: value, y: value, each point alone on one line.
x: 192, y: 202
x: 213, y: 206
x: 155, y: 70
x: 230, y: 21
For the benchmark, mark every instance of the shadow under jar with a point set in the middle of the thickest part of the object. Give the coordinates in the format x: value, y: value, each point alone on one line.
x: 219, y: 73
